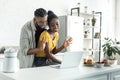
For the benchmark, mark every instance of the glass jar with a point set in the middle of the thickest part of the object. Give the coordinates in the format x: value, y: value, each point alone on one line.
x: 90, y: 59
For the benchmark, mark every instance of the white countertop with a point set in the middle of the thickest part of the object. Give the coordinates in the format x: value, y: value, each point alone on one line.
x: 49, y: 73
x: 2, y: 56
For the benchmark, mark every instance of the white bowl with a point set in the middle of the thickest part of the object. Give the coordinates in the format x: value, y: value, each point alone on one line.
x: 111, y: 62
x: 99, y: 65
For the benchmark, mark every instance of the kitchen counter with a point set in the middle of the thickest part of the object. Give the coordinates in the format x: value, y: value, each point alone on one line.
x: 49, y: 73
x: 1, y: 61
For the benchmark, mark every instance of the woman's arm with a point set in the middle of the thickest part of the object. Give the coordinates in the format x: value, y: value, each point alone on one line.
x: 66, y: 43
x: 50, y: 55
x: 54, y: 51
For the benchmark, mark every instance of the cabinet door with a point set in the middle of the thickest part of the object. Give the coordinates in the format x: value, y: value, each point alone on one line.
x: 115, y: 76
x: 2, y: 77
x: 98, y: 77
x: 1, y: 64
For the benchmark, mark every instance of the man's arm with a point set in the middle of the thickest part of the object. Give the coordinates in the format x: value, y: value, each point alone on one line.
x: 33, y: 51
x: 25, y: 44
x: 40, y: 48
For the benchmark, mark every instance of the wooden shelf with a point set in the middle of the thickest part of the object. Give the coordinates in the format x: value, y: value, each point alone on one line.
x: 91, y: 50
x: 90, y: 26
x: 91, y: 38
x: 86, y: 15
x: 87, y: 38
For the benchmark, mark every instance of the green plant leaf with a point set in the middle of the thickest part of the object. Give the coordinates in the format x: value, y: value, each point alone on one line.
x: 109, y: 49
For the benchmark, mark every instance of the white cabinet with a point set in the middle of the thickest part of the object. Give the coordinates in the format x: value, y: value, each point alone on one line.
x: 1, y: 61
x: 97, y: 77
x: 115, y: 75
x: 82, y: 73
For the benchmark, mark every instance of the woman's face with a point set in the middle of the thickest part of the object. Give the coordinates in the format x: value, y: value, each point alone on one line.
x: 54, y: 25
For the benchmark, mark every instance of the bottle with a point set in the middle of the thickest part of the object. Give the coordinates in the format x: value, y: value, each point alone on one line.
x: 85, y: 9
x: 90, y: 59
x: 78, y: 4
x: 85, y: 60
x: 88, y: 22
x: 84, y: 22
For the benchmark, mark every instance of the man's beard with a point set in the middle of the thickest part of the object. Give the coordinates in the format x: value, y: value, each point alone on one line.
x: 36, y: 25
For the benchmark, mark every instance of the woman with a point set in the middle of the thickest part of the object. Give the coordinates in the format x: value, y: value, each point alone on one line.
x: 50, y: 38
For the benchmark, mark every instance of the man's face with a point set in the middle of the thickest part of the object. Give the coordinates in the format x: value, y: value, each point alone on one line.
x: 41, y: 21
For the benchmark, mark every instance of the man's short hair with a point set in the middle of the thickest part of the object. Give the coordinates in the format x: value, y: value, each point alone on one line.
x: 40, y: 12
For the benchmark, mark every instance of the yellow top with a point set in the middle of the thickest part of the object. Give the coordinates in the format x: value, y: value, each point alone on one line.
x: 51, y: 42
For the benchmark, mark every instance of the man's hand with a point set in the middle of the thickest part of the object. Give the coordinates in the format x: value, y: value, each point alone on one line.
x: 42, y: 44
x: 48, y: 61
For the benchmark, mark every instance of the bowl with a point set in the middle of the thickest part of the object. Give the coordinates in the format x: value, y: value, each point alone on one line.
x: 99, y: 64
x: 111, y: 62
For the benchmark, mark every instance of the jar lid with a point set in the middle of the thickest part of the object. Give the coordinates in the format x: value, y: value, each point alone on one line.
x: 10, y: 52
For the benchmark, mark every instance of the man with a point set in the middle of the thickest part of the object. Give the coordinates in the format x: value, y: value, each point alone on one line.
x: 29, y: 38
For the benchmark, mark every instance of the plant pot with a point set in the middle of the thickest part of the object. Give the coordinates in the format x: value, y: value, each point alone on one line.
x: 112, y: 62
x: 109, y: 62
x: 85, y: 36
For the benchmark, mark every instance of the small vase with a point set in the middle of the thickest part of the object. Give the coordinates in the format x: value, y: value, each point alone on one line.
x: 93, y: 19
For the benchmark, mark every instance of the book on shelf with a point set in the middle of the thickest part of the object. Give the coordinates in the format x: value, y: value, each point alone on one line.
x: 97, y: 35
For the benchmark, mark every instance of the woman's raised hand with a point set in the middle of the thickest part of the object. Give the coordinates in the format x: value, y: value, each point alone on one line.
x: 67, y: 42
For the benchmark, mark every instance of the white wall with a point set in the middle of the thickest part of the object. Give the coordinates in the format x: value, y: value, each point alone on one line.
x: 111, y: 18
x: 117, y: 28
x: 15, y: 13
x: 107, y: 7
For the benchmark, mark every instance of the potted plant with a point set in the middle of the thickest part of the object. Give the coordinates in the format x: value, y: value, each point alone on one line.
x: 86, y: 33
x: 110, y: 49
